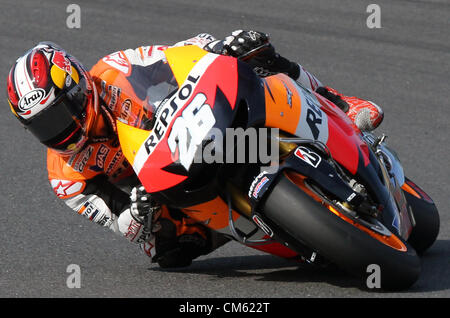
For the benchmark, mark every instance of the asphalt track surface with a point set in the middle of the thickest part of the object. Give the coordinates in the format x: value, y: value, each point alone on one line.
x: 403, y: 66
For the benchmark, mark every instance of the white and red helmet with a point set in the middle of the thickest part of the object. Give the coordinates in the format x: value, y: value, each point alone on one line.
x: 53, y: 96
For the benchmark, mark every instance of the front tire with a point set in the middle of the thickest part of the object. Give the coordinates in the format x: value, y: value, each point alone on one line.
x: 312, y: 224
x: 426, y: 216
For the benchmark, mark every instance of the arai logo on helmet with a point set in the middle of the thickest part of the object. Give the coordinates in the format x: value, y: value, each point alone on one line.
x: 31, y: 98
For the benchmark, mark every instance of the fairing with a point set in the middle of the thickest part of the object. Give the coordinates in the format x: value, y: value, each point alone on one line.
x: 163, y: 157
x: 219, y: 92
x: 300, y: 112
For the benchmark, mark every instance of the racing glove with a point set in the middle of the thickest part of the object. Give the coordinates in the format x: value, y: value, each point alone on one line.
x: 254, y: 48
x: 138, y: 223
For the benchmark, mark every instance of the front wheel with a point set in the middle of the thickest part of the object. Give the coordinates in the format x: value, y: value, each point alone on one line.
x: 345, y: 243
x: 426, y: 217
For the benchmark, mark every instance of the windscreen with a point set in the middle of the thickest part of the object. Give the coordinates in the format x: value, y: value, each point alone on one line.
x: 152, y: 84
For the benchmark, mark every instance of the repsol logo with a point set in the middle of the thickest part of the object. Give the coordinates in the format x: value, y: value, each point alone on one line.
x: 167, y: 113
x: 31, y: 98
x: 313, y: 116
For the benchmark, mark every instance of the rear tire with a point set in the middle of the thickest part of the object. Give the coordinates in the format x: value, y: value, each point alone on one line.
x: 307, y: 221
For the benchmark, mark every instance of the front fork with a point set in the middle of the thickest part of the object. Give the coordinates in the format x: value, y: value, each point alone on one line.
x: 393, y: 178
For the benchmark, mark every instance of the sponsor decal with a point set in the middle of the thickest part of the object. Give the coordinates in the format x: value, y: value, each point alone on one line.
x: 104, y: 220
x: 115, y: 94
x: 313, y: 116
x: 84, y: 157
x: 125, y: 109
x: 190, y: 129
x: 289, y: 95
x: 100, y: 158
x: 60, y: 60
x: 169, y: 109
x: 90, y: 211
x: 133, y: 230
x: 308, y: 156
x: 31, y: 99
x: 263, y: 226
x: 66, y: 188
x: 71, y: 160
x: 167, y: 113
x: 313, y: 122
x: 114, y: 162
x: 118, y: 60
x: 257, y: 184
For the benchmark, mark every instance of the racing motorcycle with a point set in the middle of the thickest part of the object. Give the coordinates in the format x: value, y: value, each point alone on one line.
x: 336, y: 195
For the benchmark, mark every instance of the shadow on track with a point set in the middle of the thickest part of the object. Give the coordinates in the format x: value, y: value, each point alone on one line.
x: 435, y: 270
x: 267, y: 268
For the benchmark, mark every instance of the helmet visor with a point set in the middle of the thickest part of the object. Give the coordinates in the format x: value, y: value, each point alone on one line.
x: 62, y: 124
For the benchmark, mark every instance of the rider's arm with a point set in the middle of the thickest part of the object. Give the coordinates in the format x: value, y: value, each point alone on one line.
x: 149, y: 54
x: 255, y: 49
x: 97, y: 199
x: 201, y: 40
x: 307, y: 79
x: 265, y: 62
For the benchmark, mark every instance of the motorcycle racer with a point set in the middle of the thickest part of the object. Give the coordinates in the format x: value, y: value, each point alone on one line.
x: 73, y: 112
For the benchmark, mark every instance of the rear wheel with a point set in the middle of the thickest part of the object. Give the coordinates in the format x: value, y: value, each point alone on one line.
x: 348, y: 244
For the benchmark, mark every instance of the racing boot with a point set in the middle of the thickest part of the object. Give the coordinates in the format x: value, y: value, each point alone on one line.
x: 180, y: 240
x: 365, y: 114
